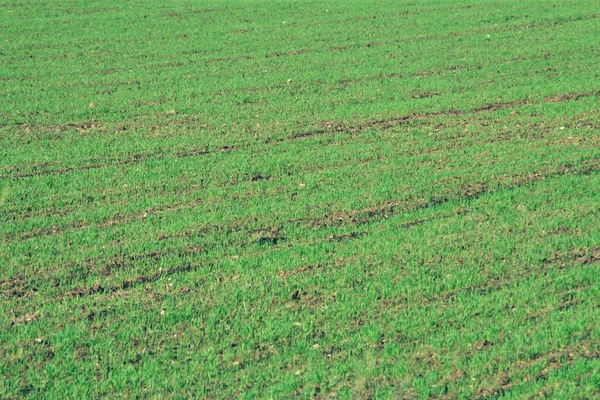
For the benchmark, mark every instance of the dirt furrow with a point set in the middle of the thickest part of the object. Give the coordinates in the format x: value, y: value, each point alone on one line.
x: 40, y: 169
x: 395, y: 122
x: 128, y: 160
x: 469, y: 191
x: 555, y: 359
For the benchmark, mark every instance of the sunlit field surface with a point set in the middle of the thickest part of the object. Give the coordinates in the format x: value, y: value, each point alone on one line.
x: 288, y: 199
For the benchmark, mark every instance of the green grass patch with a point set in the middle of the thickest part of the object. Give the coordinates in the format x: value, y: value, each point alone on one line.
x: 281, y: 199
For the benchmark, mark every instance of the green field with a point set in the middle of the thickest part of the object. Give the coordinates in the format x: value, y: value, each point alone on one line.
x: 294, y: 199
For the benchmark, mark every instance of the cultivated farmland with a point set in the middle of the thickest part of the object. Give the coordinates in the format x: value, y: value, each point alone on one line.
x: 281, y: 199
